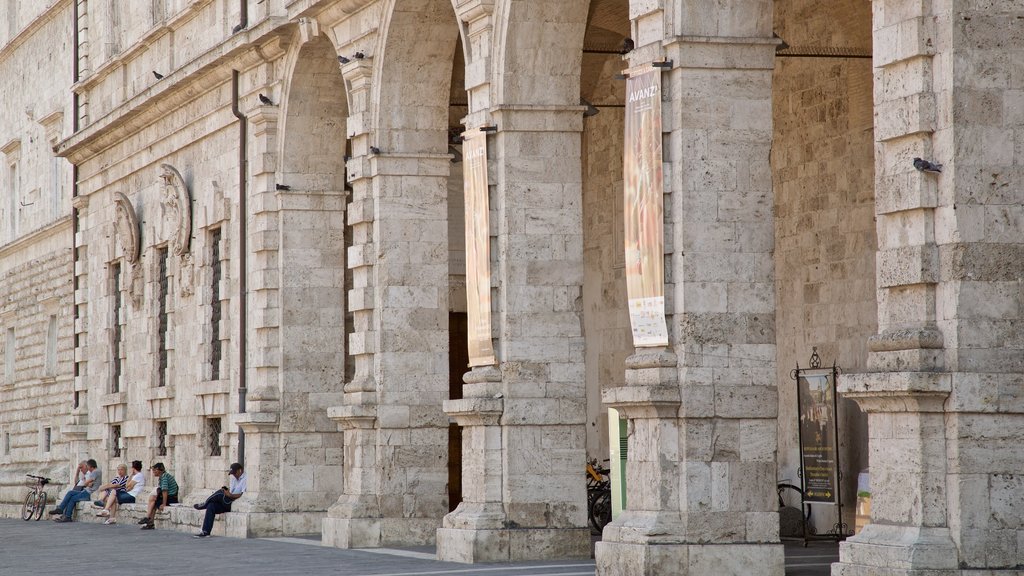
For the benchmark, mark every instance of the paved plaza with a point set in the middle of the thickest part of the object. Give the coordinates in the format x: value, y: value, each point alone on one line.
x: 87, y: 549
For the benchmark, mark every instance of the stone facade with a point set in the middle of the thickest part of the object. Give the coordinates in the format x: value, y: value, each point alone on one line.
x: 234, y: 230
x: 37, y: 322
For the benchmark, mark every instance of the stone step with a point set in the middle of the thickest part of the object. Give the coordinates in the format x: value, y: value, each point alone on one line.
x: 178, y: 517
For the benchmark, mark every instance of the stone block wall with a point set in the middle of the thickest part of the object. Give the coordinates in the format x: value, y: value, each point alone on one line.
x: 35, y: 285
x: 36, y: 320
x: 823, y: 176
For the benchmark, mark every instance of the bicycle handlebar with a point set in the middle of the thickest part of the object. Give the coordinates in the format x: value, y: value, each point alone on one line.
x: 42, y: 479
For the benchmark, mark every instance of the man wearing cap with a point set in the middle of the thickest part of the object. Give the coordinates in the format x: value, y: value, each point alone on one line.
x: 220, y: 501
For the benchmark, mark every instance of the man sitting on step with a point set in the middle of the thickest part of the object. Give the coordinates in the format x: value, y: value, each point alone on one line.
x: 220, y: 501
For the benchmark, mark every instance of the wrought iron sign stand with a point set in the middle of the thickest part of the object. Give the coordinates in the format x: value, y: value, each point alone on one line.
x: 818, y: 429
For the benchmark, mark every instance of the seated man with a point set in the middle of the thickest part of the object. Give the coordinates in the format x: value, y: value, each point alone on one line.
x: 87, y: 480
x: 220, y: 501
x: 166, y: 493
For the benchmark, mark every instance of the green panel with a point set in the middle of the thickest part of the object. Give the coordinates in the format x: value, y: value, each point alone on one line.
x: 618, y: 444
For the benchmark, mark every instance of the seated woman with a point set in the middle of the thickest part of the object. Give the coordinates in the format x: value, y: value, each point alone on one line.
x: 116, y: 483
x: 126, y: 495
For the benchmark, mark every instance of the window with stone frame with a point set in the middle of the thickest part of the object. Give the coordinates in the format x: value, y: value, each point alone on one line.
x: 11, y: 345
x: 115, y: 441
x: 117, y: 324
x: 161, y: 436
x: 46, y: 440
x: 7, y: 443
x: 50, y: 362
x: 162, y: 294
x: 213, y: 431
x: 217, y: 331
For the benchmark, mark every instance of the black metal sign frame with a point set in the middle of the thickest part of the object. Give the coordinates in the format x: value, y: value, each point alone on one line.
x: 818, y: 432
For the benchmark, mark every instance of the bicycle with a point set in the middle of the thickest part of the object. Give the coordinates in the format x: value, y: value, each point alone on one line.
x: 35, y: 500
x: 599, y: 496
x: 793, y: 524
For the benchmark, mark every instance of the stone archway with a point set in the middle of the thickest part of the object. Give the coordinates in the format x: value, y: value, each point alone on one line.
x: 305, y: 237
x: 396, y: 434
x: 822, y: 174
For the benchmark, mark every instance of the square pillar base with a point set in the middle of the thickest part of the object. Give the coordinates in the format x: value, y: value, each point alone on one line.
x: 512, y: 545
x: 643, y: 559
x: 886, y: 550
x: 378, y: 532
x: 351, y: 532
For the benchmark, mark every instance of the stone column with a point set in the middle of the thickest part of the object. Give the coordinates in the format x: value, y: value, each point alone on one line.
x: 524, y: 437
x: 396, y: 435
x: 701, y: 473
x: 942, y: 391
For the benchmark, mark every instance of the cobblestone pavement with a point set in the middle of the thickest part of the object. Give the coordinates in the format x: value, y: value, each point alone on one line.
x: 85, y: 549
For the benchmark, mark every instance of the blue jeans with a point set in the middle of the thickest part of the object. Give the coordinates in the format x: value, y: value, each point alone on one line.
x: 73, y: 497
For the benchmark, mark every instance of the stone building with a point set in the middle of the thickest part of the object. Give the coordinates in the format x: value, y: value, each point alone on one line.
x: 234, y: 229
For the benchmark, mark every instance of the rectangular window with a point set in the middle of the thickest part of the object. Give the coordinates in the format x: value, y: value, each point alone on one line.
x: 47, y: 437
x: 213, y: 430
x: 162, y: 295
x: 14, y: 200
x: 161, y: 435
x: 9, y: 357
x: 216, y: 315
x: 116, y: 339
x: 115, y: 441
x: 7, y: 443
x: 50, y: 367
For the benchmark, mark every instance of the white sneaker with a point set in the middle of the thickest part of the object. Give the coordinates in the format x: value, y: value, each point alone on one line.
x: 110, y: 521
x: 103, y: 513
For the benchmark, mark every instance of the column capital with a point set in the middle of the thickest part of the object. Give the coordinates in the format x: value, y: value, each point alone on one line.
x: 475, y: 411
x: 897, y: 391
x: 353, y: 416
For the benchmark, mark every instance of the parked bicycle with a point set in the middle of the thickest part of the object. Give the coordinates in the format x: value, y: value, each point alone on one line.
x: 35, y: 501
x: 599, y: 496
x: 793, y: 524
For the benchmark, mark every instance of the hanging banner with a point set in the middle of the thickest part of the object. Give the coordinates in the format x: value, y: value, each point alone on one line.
x: 816, y: 401
x: 644, y: 208
x: 478, y: 253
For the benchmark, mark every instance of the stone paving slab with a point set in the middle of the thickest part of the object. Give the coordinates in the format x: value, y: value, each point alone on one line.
x: 85, y: 549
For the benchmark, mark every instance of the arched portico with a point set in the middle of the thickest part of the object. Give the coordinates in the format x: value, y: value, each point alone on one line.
x: 396, y: 435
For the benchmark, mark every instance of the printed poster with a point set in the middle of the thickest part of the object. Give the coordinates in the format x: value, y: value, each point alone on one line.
x: 816, y: 399
x: 644, y: 208
x: 478, y: 254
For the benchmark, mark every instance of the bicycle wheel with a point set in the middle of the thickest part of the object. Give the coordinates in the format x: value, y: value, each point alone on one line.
x: 783, y: 487
x: 600, y: 510
x: 29, y: 507
x: 40, y: 505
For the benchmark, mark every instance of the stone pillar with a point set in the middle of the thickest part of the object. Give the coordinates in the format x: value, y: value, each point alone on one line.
x: 945, y: 368
x: 396, y: 435
x: 524, y: 437
x: 701, y: 473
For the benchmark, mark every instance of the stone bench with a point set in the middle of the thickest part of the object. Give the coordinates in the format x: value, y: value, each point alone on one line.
x: 179, y: 517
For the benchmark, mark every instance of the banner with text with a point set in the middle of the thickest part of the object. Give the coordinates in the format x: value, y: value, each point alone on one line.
x: 816, y: 399
x: 644, y: 208
x: 478, y: 253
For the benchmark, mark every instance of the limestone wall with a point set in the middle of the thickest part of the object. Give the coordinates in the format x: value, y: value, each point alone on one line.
x: 36, y: 321
x: 822, y: 171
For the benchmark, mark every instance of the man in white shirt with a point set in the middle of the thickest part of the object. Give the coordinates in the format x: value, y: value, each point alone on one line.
x: 220, y: 501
